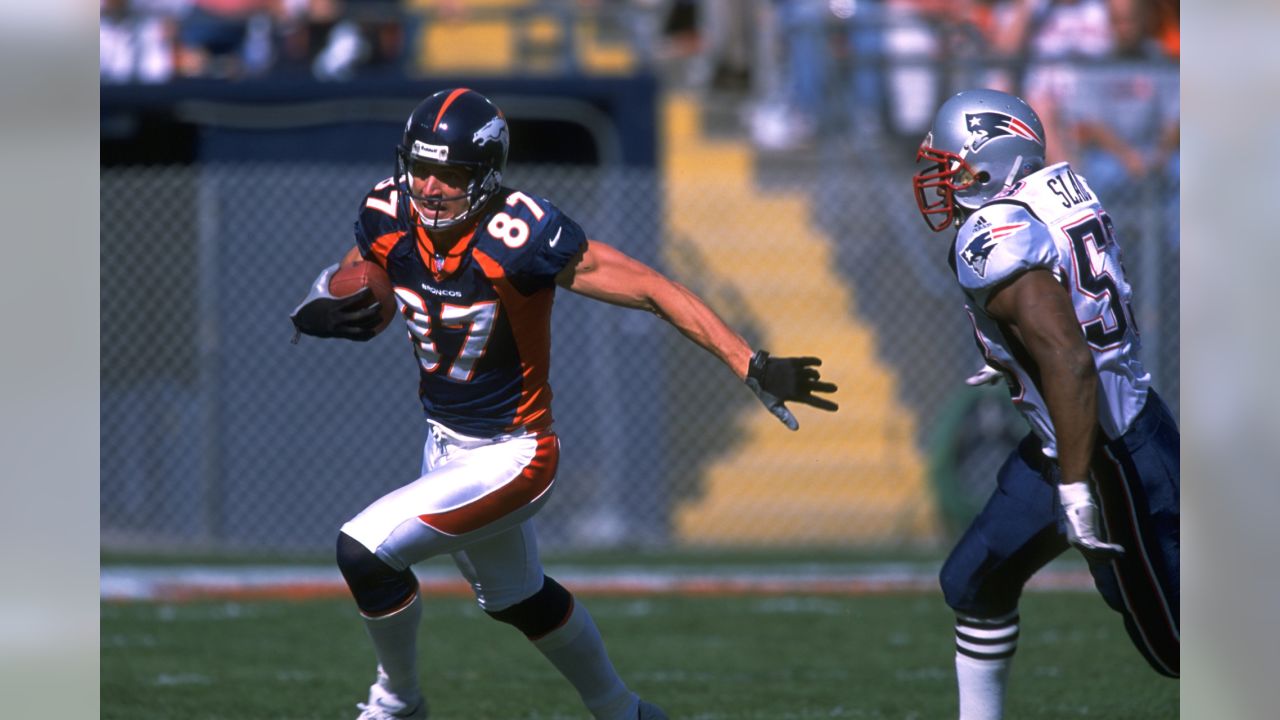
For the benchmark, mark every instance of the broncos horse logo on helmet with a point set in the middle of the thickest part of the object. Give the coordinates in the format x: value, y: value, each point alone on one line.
x: 493, y: 131
x: 981, y: 142
x: 454, y: 128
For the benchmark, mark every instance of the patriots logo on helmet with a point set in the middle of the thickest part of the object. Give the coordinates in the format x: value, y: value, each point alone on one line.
x: 493, y: 131
x: 987, y: 126
x: 985, y: 239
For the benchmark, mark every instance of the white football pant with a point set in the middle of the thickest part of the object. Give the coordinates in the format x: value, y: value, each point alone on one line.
x: 475, y: 499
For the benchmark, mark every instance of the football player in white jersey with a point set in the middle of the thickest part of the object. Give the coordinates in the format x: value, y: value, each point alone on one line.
x: 475, y: 266
x: 1037, y: 258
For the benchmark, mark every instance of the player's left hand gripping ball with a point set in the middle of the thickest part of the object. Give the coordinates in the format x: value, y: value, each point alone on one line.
x: 784, y: 379
x: 322, y: 315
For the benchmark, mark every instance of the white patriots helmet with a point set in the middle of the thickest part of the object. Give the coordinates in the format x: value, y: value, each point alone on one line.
x: 981, y: 142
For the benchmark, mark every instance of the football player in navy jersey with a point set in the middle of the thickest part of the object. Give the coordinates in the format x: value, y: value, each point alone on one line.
x: 474, y: 266
x: 1036, y: 255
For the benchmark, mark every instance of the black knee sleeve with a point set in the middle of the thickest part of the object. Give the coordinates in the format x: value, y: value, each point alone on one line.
x: 539, y: 613
x: 377, y: 587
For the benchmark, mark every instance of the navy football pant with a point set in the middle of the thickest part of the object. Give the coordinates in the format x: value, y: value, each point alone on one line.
x: 1022, y: 528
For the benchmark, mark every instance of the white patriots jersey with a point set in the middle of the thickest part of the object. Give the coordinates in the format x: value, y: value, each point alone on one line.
x: 1051, y: 219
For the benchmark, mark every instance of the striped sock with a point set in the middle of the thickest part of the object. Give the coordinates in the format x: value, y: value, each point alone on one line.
x: 984, y: 653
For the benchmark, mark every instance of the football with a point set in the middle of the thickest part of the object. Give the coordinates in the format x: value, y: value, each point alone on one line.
x: 350, y: 279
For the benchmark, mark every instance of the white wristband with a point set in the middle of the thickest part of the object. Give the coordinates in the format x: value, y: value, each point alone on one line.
x: 1076, y: 493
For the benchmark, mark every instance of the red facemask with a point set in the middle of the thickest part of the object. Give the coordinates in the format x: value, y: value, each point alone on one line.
x: 937, y: 184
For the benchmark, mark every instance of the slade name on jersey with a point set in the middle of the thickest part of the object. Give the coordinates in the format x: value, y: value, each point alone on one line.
x: 479, y: 316
x: 1068, y: 187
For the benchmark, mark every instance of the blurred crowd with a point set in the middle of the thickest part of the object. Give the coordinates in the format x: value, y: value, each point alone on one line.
x: 872, y: 66
x: 1102, y: 73
x: 153, y: 41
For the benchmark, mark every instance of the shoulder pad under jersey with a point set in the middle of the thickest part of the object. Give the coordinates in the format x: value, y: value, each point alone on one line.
x: 529, y: 237
x: 999, y: 241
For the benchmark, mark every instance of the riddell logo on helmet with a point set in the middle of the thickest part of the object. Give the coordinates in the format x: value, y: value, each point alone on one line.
x: 439, y: 153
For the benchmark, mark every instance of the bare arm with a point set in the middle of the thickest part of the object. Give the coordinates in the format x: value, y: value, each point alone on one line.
x: 604, y: 273
x: 1040, y: 313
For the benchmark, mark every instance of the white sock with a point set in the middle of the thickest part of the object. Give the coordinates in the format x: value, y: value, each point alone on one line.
x: 395, y: 642
x: 577, y: 651
x: 984, y: 654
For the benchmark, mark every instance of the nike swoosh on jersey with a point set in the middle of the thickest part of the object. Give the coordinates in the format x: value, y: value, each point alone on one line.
x: 556, y: 239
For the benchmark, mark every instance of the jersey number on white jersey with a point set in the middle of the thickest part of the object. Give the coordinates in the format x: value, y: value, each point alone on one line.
x: 1091, y: 237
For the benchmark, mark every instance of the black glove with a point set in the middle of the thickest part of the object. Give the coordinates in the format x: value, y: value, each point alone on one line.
x: 324, y: 316
x: 779, y: 380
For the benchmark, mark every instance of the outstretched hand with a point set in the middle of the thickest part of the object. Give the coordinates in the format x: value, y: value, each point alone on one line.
x: 785, y: 379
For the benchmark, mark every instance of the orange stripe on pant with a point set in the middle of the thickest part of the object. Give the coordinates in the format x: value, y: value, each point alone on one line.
x: 528, y: 486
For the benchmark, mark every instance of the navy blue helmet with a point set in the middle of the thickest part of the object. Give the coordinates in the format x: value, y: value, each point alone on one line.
x: 456, y: 128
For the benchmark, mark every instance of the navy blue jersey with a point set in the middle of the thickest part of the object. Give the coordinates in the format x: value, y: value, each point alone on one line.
x: 479, y: 318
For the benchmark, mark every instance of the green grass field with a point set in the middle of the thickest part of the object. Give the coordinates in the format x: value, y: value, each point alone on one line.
x: 703, y: 657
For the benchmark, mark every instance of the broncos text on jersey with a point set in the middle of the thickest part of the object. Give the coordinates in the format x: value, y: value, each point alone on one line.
x: 478, y: 317
x: 1052, y: 220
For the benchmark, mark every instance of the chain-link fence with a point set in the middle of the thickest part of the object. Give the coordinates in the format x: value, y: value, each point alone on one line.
x: 217, y: 434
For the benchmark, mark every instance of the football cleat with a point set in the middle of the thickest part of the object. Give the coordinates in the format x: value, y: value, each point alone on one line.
x: 383, y: 705
x: 649, y: 711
